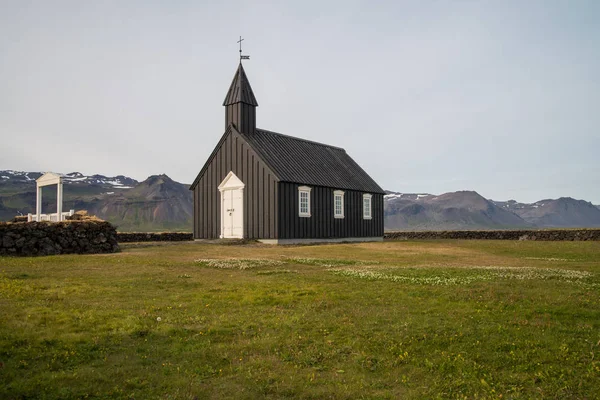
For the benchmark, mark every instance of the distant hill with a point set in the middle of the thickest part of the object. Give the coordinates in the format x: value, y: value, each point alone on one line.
x: 156, y: 204
x: 469, y: 210
x: 564, y: 212
x: 449, y: 211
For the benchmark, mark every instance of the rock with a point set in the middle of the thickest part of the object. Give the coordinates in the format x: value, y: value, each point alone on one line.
x: 7, y: 242
x: 127, y: 237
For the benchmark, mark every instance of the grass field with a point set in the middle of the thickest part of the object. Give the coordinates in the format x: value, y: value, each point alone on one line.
x: 438, y: 319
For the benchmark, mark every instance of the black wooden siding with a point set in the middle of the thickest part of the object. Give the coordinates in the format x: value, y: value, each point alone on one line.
x: 260, y: 192
x: 322, y: 224
x: 242, y: 115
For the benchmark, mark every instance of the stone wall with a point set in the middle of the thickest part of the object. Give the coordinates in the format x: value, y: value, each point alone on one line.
x: 545, y: 234
x: 48, y: 238
x: 128, y: 237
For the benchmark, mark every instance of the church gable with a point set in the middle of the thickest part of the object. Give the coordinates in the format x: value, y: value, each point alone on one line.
x: 231, y: 150
x: 234, y: 156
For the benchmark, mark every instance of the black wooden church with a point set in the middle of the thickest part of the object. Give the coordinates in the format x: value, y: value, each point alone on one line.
x: 264, y: 185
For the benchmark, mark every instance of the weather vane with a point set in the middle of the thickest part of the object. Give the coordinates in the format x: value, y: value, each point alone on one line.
x: 241, y: 56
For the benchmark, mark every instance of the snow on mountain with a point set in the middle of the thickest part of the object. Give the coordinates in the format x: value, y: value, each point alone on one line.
x: 23, y: 176
x: 405, y: 196
x: 117, y: 182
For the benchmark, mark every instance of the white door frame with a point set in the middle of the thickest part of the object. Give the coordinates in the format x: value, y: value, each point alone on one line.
x: 231, y: 182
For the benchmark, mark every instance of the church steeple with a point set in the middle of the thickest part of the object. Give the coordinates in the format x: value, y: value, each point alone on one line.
x: 240, y: 103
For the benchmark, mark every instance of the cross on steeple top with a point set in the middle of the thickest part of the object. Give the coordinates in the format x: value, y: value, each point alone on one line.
x: 241, y: 56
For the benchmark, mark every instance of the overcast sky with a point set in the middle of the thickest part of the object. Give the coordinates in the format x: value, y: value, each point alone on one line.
x: 501, y: 97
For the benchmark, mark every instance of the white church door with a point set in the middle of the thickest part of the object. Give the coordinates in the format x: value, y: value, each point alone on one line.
x: 232, y: 207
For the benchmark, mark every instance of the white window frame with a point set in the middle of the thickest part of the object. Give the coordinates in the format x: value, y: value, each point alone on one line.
x: 368, y: 197
x: 336, y: 194
x: 303, y: 189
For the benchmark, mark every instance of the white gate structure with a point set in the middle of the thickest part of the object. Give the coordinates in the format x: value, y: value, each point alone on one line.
x: 48, y: 179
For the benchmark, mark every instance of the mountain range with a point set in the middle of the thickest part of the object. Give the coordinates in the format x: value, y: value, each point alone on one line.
x: 162, y: 204
x: 470, y: 210
x: 156, y: 204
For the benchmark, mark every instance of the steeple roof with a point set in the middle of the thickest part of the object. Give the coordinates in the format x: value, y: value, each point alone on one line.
x: 240, y: 90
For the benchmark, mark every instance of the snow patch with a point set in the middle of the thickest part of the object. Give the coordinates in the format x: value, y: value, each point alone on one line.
x: 392, y: 196
x: 22, y: 174
x: 74, y: 177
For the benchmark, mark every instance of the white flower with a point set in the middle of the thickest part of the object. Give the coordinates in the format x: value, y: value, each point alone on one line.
x: 158, y: 319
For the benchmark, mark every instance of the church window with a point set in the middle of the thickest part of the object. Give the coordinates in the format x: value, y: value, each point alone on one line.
x: 304, y: 201
x: 338, y: 204
x: 367, y: 206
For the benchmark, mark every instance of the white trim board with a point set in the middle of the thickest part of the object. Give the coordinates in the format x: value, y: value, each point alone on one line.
x: 231, y: 182
x: 49, y: 178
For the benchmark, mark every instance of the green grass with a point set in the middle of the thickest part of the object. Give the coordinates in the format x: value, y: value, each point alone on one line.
x: 437, y: 319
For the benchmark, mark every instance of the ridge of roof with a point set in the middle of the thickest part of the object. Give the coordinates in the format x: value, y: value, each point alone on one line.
x: 240, y: 90
x: 301, y: 139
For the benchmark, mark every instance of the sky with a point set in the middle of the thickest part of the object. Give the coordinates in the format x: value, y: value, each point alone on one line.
x: 500, y: 97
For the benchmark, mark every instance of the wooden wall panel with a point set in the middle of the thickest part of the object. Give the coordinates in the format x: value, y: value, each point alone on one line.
x: 242, y: 116
x: 322, y: 224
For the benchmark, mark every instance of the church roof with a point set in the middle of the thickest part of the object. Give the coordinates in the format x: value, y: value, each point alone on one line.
x: 303, y: 161
x: 240, y: 90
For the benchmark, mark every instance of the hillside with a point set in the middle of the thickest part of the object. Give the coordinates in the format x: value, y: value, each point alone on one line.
x: 564, y: 212
x: 158, y: 203
x: 469, y: 210
x: 449, y: 211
